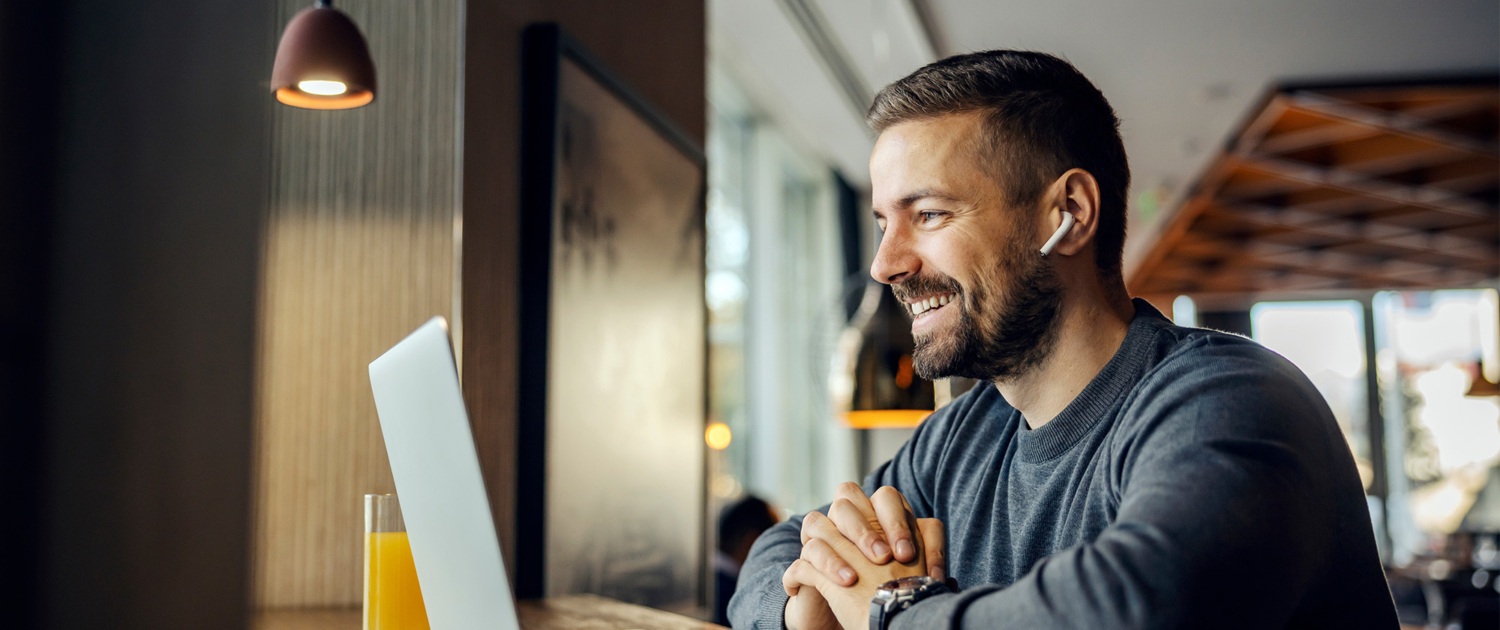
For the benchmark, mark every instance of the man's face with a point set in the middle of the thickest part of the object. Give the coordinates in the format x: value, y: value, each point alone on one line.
x: 983, y: 302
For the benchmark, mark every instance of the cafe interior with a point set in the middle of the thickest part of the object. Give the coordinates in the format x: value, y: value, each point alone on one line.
x: 646, y: 225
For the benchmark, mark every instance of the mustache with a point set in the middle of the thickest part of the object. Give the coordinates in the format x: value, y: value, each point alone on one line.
x: 918, y: 286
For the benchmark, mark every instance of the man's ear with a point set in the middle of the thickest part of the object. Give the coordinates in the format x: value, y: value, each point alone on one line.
x: 1075, y: 192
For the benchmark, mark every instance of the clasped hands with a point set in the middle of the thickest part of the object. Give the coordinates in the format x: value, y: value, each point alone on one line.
x: 862, y: 543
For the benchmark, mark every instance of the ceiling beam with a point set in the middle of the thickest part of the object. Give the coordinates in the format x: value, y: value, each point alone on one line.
x: 1313, y: 261
x: 1192, y: 278
x: 1396, y: 123
x: 1358, y: 183
x: 1344, y: 230
x: 1340, y: 129
x: 1464, y: 105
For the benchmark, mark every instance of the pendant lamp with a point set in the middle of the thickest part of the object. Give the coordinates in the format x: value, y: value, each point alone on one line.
x: 323, y: 62
x: 874, y: 380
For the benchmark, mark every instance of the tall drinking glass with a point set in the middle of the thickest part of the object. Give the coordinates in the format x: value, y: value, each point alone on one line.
x: 393, y: 600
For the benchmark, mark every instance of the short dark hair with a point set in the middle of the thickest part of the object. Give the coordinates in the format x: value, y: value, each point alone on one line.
x: 1045, y: 117
x: 749, y: 516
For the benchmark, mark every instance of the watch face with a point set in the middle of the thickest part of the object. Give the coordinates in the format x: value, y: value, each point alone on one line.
x: 902, y: 587
x: 913, y: 582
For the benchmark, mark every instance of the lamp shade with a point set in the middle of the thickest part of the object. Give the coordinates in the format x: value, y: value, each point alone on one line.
x: 874, y: 378
x: 323, y: 62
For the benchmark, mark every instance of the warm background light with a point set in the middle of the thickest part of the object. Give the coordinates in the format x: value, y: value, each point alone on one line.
x: 717, y: 436
x: 324, y: 88
x: 886, y: 418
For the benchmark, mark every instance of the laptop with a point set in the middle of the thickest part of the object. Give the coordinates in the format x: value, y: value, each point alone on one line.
x: 443, y: 502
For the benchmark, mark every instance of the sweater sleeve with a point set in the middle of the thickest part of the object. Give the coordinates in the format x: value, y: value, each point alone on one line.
x: 1227, y: 474
x: 759, y: 601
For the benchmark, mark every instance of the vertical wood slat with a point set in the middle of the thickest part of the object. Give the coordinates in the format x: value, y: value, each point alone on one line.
x: 360, y: 249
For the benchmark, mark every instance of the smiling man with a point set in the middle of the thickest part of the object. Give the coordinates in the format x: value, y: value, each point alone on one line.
x: 1111, y: 470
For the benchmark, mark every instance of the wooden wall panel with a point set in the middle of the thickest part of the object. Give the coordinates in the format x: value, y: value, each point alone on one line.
x: 360, y: 249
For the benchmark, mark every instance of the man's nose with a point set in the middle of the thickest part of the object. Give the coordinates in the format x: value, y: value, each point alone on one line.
x: 895, y: 260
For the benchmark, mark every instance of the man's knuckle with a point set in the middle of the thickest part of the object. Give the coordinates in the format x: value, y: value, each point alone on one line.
x: 850, y: 488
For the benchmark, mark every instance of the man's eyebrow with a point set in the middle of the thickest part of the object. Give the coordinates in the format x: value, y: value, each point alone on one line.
x: 925, y: 193
x: 912, y: 198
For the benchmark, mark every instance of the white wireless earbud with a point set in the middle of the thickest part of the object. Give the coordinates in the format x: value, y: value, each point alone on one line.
x: 1067, y: 224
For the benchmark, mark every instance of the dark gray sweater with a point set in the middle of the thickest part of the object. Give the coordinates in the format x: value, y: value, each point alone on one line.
x: 1199, y: 481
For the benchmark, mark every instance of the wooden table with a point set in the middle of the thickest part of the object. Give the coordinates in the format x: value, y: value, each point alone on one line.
x: 570, y: 612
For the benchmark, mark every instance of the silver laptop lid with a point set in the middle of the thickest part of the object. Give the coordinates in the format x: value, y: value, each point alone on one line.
x: 447, y: 513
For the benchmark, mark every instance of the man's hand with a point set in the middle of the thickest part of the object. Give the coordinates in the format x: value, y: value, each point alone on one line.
x: 861, y: 544
x: 822, y: 545
x: 881, y: 526
x: 807, y: 610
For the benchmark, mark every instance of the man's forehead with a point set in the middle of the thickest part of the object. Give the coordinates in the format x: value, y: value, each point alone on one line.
x: 928, y: 155
x: 947, y: 134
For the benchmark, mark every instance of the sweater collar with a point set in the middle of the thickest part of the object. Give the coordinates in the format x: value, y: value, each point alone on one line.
x: 1090, y: 407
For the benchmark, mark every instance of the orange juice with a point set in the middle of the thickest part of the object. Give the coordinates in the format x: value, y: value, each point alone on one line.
x: 393, y: 600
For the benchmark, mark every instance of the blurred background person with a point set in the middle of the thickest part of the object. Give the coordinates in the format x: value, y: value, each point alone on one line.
x: 740, y: 523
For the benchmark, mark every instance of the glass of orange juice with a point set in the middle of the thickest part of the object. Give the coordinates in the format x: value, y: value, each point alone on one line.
x: 393, y: 599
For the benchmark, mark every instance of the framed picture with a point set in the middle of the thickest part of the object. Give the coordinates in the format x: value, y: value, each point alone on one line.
x: 613, y: 338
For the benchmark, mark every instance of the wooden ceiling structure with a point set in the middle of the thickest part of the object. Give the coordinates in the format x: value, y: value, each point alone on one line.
x: 1392, y: 185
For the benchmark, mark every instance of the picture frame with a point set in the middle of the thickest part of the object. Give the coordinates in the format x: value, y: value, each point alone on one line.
x: 612, y: 376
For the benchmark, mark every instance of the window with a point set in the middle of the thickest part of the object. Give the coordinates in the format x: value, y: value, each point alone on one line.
x: 1326, y: 340
x: 775, y: 310
x: 1437, y: 364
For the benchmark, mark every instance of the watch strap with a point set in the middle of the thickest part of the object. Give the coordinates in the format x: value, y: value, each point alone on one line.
x: 883, y: 609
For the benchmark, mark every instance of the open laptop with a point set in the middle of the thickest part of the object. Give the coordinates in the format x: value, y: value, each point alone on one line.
x: 443, y: 501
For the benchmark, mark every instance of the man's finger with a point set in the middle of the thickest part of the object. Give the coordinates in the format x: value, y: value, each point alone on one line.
x: 815, y: 525
x: 895, y: 519
x: 802, y: 573
x: 789, y: 582
x: 828, y: 562
x: 851, y: 492
x: 852, y: 524
x: 934, y: 541
x: 877, y: 552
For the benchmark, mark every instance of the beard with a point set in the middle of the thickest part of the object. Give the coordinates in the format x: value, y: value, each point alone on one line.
x: 1007, y: 322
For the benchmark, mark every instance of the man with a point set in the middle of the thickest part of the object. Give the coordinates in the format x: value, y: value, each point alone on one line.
x: 1111, y: 470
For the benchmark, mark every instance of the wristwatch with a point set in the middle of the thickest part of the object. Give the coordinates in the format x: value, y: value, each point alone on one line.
x: 898, y: 595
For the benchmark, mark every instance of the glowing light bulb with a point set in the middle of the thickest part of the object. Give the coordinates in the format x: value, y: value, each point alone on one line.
x: 717, y: 436
x: 323, y: 88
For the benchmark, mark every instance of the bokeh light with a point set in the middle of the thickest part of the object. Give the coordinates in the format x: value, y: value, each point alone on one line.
x: 717, y: 436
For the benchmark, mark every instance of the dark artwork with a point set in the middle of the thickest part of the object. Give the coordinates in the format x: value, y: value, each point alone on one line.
x: 625, y: 357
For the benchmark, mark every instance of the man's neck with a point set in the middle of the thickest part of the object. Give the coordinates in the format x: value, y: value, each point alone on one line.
x: 1091, y: 331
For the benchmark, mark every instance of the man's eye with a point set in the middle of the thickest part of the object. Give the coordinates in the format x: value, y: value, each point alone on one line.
x: 930, y: 216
